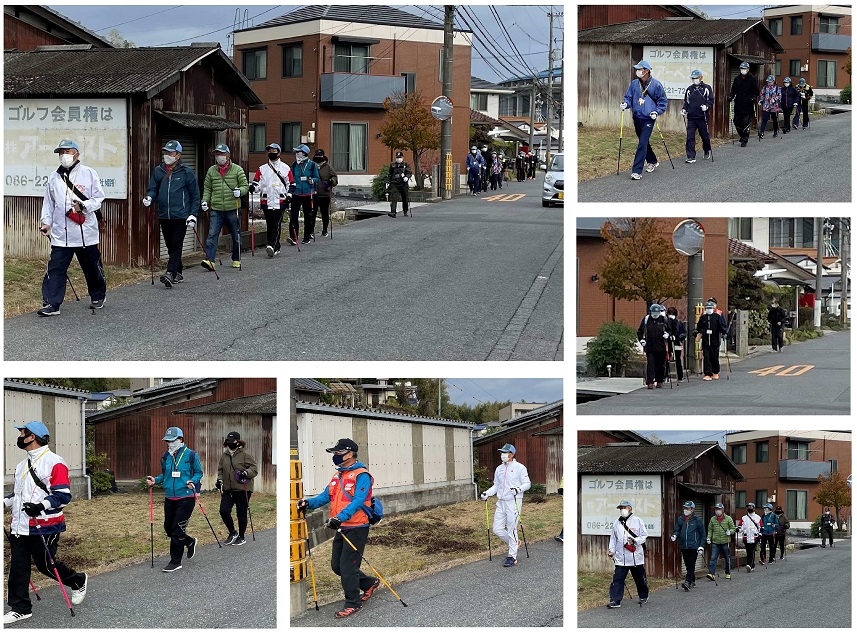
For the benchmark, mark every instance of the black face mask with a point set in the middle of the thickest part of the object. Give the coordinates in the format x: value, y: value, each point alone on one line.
x: 318, y: 160
x: 23, y: 441
x: 273, y: 156
x: 232, y: 445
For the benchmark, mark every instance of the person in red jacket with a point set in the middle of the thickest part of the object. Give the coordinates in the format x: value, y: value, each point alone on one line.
x: 349, y: 494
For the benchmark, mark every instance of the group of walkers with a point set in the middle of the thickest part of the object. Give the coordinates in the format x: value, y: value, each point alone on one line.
x: 647, y: 100
x: 484, y: 169
x: 42, y: 490
x: 767, y: 531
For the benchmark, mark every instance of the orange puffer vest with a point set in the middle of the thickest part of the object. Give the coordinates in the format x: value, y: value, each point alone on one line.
x: 341, y: 491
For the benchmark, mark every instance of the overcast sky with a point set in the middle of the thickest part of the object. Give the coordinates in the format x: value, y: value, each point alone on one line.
x: 475, y: 390
x: 164, y: 25
x: 735, y: 11
x: 689, y: 437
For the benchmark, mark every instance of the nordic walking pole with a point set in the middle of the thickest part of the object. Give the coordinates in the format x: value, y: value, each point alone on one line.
x: 149, y: 245
x: 152, y: 525
x: 35, y: 591
x: 728, y: 365
x: 246, y: 496
x: 238, y: 219
x: 710, y: 130
x: 195, y: 494
x: 252, y: 227
x: 71, y: 285
x: 54, y: 565
x: 629, y: 591
x: 664, y: 142
x: 347, y: 540
x: 311, y: 566
x: 621, y: 129
x: 488, y: 529
x: 199, y: 242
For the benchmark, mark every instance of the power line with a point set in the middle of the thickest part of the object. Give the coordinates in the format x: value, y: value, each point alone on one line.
x: 463, y: 391
x: 196, y: 37
x: 483, y: 389
x: 145, y: 17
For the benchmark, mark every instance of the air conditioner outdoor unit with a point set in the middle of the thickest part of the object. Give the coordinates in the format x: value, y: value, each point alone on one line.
x: 310, y: 136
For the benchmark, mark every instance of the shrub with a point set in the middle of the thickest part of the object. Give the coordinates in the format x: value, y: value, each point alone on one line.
x: 757, y: 324
x: 100, y: 482
x: 845, y: 94
x: 613, y: 346
x: 815, y: 528
x: 379, y: 183
x: 536, y: 489
x: 805, y: 316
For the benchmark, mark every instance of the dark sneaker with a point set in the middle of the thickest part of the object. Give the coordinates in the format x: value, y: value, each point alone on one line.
x: 277, y: 252
x: 48, y: 310
x: 690, y: 160
x: 510, y: 562
x: 643, y: 601
x: 167, y: 280
x: 368, y: 593
x: 207, y: 264
x: 77, y: 595
x: 558, y: 538
x: 290, y: 241
x: 392, y: 214
x: 191, y: 549
x: 794, y: 126
x: 14, y: 616
x: 97, y: 305
x: 231, y: 538
x: 708, y: 155
x: 685, y: 586
x: 178, y: 278
x: 324, y: 233
x: 613, y: 605
x: 240, y: 540
x: 749, y: 569
x: 344, y: 613
x: 269, y: 250
x: 171, y: 567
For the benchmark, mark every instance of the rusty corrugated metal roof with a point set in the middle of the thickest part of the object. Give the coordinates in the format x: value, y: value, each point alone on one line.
x: 263, y: 404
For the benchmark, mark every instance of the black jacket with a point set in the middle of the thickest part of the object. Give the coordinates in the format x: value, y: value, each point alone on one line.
x: 697, y: 96
x: 714, y: 323
x: 790, y: 97
x: 776, y: 315
x: 745, y: 92
x: 399, y: 175
x: 652, y: 331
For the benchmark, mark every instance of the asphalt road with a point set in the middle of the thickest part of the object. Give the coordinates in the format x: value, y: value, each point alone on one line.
x: 825, y: 389
x: 480, y: 594
x: 810, y: 589
x: 232, y: 587
x: 466, y: 279
x: 804, y: 165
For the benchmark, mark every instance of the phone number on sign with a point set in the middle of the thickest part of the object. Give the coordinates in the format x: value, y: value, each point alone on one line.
x: 23, y: 181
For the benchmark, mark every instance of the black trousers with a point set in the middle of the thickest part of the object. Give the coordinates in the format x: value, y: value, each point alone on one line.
x: 174, y: 233
x: 298, y: 203
x: 826, y: 532
x: 89, y: 258
x: 690, y: 144
x: 617, y: 586
x: 399, y: 192
x: 751, y: 554
x: 24, y: 549
x: 521, y: 173
x: 768, y: 545
x: 345, y: 563
x: 776, y: 337
x: 781, y: 541
x: 274, y: 226
x: 238, y: 499
x: 656, y: 364
x: 678, y: 359
x: 787, y: 118
x: 690, y: 556
x: 176, y: 516
x: 710, y: 358
x: 742, y: 125
x: 322, y: 203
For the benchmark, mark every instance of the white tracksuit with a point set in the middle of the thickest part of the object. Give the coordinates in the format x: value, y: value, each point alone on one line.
x: 510, y: 475
x: 58, y: 200
x: 619, y: 536
x: 749, y: 527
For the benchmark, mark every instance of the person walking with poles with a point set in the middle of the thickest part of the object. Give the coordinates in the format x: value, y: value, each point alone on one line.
x: 305, y: 175
x: 677, y: 340
x: 474, y: 165
x: 235, y: 474
x: 790, y: 98
x: 712, y: 327
x: 511, y: 481
x: 225, y: 184
x: 41, y: 490
x: 783, y: 526
x: 749, y: 529
x: 689, y: 532
x: 181, y: 476
x: 698, y: 100
x: 768, y: 550
x: 328, y: 179
x: 647, y: 100
x: 776, y: 318
x: 273, y: 181
x: 805, y: 93
x: 770, y: 100
x: 744, y: 93
x: 654, y: 333
x: 70, y: 212
x: 828, y: 523
x: 349, y: 494
x: 397, y: 184
x: 173, y: 186
x: 721, y: 527
x: 627, y: 549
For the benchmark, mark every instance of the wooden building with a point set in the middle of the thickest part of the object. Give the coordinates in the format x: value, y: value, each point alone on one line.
x: 605, y: 438
x: 120, y: 105
x: 535, y: 450
x: 132, y: 435
x: 28, y: 26
x: 590, y: 16
x: 674, y: 47
x: 657, y: 480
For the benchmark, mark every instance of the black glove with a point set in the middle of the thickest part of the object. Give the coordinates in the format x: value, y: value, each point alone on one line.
x: 244, y: 475
x: 303, y: 504
x: 253, y: 185
x: 559, y: 490
x: 33, y: 509
x: 730, y: 98
x: 219, y: 485
x: 333, y: 523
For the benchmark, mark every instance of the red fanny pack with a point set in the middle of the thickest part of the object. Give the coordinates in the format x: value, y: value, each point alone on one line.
x: 630, y: 548
x: 74, y: 216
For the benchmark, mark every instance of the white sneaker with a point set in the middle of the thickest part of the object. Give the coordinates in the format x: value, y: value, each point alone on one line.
x: 14, y: 616
x: 269, y: 250
x: 77, y: 595
x: 650, y: 167
x: 635, y: 176
x: 690, y: 160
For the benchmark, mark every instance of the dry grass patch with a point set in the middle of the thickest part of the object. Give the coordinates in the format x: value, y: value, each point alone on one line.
x: 593, y: 588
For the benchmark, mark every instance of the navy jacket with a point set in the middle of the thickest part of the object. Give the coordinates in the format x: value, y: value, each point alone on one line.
x: 691, y: 533
x: 176, y: 193
x: 697, y: 96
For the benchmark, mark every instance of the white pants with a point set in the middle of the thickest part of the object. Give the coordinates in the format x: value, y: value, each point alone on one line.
x: 506, y: 524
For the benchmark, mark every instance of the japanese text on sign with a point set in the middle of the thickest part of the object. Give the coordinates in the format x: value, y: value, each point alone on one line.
x: 33, y: 127
x: 672, y: 65
x: 600, y: 494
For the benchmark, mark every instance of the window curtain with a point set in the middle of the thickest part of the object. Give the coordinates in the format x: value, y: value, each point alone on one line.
x: 357, y: 148
x: 339, y: 151
x: 360, y: 59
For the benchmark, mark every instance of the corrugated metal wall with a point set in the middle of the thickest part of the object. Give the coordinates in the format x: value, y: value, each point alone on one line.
x: 531, y: 451
x: 434, y: 454
x: 553, y: 466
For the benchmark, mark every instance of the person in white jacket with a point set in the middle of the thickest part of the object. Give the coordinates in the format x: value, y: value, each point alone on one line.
x: 627, y: 549
x: 511, y: 481
x: 73, y: 195
x: 749, y: 532
x: 273, y: 180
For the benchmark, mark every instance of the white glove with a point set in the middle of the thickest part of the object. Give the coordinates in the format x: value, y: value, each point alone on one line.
x: 515, y: 491
x: 147, y: 201
x: 204, y: 205
x: 643, y: 343
x: 684, y: 112
x: 708, y: 540
x: 704, y: 108
x: 672, y: 538
x: 484, y: 496
x: 191, y: 221
x: 624, y: 106
x: 654, y: 116
x: 728, y: 532
x: 666, y: 335
x: 236, y: 193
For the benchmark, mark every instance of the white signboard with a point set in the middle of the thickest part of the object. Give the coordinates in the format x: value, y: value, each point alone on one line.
x: 33, y: 127
x: 672, y: 65
x: 600, y: 494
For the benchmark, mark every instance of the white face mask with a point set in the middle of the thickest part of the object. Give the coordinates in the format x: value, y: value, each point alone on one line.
x: 640, y: 74
x: 718, y: 512
x: 67, y: 160
x: 687, y: 513
x: 473, y: 151
x: 744, y: 71
x: 400, y: 160
x: 672, y: 316
x: 221, y: 160
x: 505, y: 457
x: 173, y: 446
x: 709, y: 310
x: 696, y: 82
x: 300, y: 156
x: 624, y: 512
x: 169, y: 160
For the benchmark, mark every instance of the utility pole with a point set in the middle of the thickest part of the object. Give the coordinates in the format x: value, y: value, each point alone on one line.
x: 446, y: 126
x: 844, y: 246
x: 439, y: 389
x: 819, y: 234
x: 532, y: 110
x: 551, y: 16
x: 694, y: 298
x: 562, y: 107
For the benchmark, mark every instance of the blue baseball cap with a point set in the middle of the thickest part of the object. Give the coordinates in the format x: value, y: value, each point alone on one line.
x: 275, y: 146
x: 689, y: 504
x: 643, y: 64
x: 172, y: 146
x: 66, y: 143
x: 301, y: 148
x: 507, y: 448
x: 36, y: 428
x: 173, y: 433
x: 625, y: 504
x: 223, y: 147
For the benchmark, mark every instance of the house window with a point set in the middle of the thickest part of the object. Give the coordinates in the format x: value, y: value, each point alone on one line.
x: 796, y: 505
x: 778, y: 66
x: 834, y: 465
x: 507, y: 105
x: 525, y: 105
x: 798, y: 450
x: 351, y: 58
x: 828, y: 24
x: 410, y: 82
x: 739, y: 454
x: 761, y: 499
x: 797, y: 25
x: 762, y: 452
x: 290, y: 135
x: 826, y: 74
x: 740, y: 499
x: 794, y: 67
x: 775, y: 26
x: 293, y: 56
x: 349, y: 149
x: 257, y: 137
x: 741, y: 229
x: 479, y: 102
x: 256, y: 64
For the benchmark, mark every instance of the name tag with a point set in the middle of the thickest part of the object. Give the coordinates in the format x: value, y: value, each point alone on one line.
x: 708, y: 331
x: 303, y: 179
x: 176, y: 474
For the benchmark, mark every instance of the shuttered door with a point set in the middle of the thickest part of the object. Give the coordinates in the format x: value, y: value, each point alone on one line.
x: 189, y: 158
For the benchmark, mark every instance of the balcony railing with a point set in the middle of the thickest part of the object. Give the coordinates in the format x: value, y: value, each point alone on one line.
x: 830, y: 43
x: 803, y: 470
x: 356, y: 90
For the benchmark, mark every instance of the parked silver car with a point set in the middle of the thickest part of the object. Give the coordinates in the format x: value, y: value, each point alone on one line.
x: 553, y: 187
